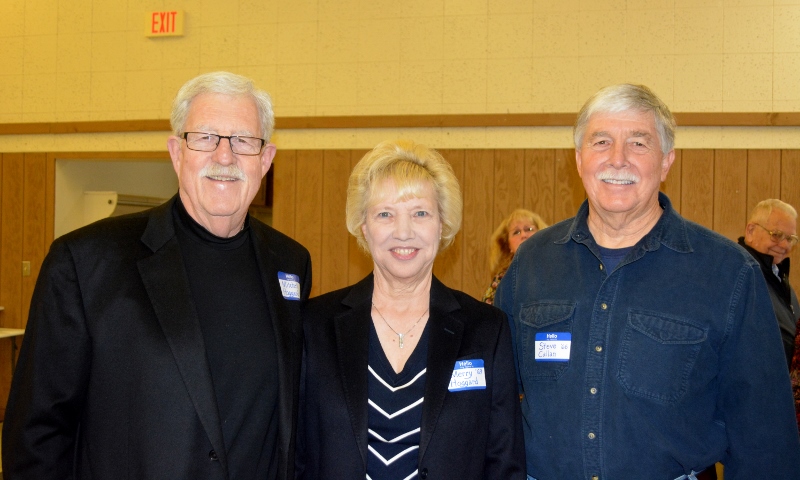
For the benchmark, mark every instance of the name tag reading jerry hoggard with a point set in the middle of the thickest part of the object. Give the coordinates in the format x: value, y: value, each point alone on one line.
x: 290, y: 285
x: 552, y: 346
x: 468, y: 375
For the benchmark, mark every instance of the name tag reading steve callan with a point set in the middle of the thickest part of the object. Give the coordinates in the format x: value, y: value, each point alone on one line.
x: 552, y: 346
x: 468, y: 375
x: 290, y: 285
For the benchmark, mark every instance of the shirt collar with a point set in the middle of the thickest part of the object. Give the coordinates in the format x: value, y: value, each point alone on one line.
x: 765, y: 259
x: 670, y: 230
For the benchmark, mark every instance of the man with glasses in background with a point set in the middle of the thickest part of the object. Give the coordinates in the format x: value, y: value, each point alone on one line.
x: 769, y: 236
x: 167, y: 344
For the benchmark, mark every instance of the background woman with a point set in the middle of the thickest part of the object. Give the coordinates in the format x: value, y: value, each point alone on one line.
x: 404, y: 377
x: 508, y: 236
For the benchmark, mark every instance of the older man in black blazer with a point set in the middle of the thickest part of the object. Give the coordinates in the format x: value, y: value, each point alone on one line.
x: 167, y: 344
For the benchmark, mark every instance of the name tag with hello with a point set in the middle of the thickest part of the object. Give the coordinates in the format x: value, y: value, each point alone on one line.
x: 290, y: 285
x: 468, y: 375
x: 552, y: 346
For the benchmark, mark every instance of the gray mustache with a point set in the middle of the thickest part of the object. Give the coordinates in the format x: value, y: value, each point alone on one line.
x: 217, y: 170
x: 617, y: 175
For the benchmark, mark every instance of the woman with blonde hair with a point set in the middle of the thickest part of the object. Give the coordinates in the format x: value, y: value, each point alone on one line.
x: 405, y: 377
x: 518, y: 227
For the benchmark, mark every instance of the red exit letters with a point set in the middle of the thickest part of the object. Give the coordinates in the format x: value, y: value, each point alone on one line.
x: 167, y: 23
x: 163, y: 22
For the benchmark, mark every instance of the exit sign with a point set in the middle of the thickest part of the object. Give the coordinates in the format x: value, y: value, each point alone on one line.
x: 168, y: 23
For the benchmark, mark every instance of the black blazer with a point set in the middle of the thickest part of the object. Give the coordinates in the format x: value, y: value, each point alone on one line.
x: 474, y: 434
x: 112, y: 380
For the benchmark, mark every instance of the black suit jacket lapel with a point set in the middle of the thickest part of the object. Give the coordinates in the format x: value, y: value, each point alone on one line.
x: 352, y: 345
x: 164, y: 278
x: 288, y: 336
x: 443, y: 347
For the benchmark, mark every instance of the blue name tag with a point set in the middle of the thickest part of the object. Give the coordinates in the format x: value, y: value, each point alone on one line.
x: 468, y: 375
x: 552, y: 346
x: 290, y: 285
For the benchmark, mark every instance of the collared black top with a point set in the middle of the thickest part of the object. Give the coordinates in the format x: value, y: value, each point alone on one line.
x: 784, y: 299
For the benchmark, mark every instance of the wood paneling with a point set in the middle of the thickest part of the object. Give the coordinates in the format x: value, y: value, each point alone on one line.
x: 763, y: 176
x: 284, y: 203
x: 12, y: 240
x: 509, y: 183
x: 449, y: 265
x: 716, y: 188
x: 672, y: 185
x: 730, y: 192
x: 308, y: 207
x: 790, y: 193
x: 34, y: 233
x: 569, y: 190
x: 697, y: 186
x: 359, y: 262
x: 540, y: 182
x: 478, y: 219
x: 713, y: 188
x: 335, y: 237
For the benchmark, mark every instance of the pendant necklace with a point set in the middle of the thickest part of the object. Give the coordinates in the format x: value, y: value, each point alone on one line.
x: 400, y: 336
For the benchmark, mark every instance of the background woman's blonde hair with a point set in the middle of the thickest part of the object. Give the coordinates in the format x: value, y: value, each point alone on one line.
x: 409, y: 166
x: 500, y: 255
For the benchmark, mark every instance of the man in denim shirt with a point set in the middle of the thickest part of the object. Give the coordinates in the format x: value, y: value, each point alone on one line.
x: 646, y: 345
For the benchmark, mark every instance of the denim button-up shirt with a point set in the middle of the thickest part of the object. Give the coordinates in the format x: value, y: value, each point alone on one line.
x: 675, y: 359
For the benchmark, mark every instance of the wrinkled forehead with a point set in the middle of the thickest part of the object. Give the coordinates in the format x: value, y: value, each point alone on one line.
x: 640, y: 120
x: 211, y: 111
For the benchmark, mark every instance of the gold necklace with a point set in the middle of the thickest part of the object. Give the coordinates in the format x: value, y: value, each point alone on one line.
x: 400, y: 336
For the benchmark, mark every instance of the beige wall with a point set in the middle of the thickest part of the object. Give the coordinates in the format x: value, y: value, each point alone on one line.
x: 75, y: 60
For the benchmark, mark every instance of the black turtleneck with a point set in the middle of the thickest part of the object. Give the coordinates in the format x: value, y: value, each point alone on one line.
x: 231, y: 304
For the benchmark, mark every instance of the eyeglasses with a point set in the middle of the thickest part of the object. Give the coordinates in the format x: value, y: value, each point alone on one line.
x: 519, y: 231
x: 777, y: 236
x: 208, y: 142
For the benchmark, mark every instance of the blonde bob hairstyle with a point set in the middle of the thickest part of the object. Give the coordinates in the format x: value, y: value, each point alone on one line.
x: 500, y: 255
x: 409, y: 166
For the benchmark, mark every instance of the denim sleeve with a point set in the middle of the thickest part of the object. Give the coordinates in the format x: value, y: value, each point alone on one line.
x: 755, y: 399
x: 504, y: 299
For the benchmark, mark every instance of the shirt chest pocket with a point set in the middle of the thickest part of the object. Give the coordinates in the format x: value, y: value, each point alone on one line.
x: 540, y: 318
x: 657, y: 355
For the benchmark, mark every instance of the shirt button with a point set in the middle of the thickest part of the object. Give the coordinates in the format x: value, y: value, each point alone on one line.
x: 603, y: 306
x: 591, y: 435
x: 212, y: 455
x: 595, y: 477
x: 601, y: 266
x: 598, y: 348
x: 593, y: 391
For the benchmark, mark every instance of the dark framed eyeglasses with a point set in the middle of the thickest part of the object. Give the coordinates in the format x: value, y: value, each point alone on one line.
x: 208, y: 142
x: 777, y: 236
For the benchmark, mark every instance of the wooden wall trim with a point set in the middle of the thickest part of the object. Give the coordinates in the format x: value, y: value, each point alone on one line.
x: 685, y: 119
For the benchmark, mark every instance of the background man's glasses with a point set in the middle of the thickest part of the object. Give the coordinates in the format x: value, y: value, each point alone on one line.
x: 208, y: 142
x: 777, y: 236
